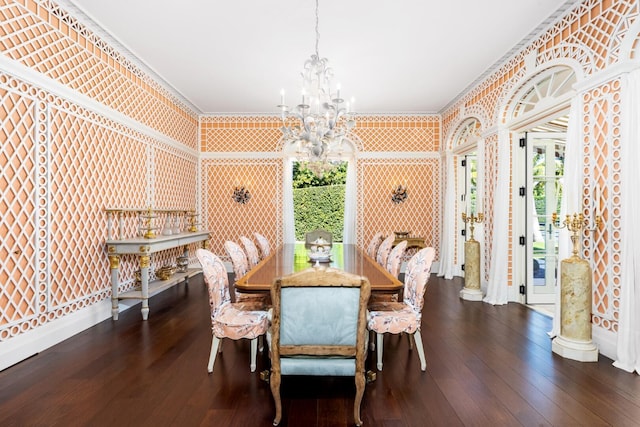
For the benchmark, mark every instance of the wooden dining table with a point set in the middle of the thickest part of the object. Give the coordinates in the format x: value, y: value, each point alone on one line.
x: 289, y: 258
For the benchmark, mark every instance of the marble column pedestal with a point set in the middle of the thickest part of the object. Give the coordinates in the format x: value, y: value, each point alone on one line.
x: 574, y: 341
x: 471, y: 290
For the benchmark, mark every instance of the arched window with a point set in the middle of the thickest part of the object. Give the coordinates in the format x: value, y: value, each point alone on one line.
x: 542, y: 97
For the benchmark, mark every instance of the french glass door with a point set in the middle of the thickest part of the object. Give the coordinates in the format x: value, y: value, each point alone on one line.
x: 545, y: 170
x: 468, y: 189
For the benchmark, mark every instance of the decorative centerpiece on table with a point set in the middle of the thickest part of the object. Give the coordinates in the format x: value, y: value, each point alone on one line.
x: 320, y: 251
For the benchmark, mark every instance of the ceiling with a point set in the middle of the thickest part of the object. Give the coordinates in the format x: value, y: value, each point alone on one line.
x: 392, y: 57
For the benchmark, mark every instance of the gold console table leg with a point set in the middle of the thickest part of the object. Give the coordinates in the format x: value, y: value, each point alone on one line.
x: 114, y: 263
x: 144, y: 273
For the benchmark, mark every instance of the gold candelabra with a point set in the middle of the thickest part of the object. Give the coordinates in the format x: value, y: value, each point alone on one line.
x: 192, y: 221
x: 149, y: 229
x: 575, y: 224
x: 471, y: 220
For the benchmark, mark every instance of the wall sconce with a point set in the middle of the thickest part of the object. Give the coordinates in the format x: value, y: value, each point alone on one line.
x: 399, y: 194
x: 241, y: 194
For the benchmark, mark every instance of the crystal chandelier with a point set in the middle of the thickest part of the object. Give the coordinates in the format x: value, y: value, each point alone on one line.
x: 320, y: 122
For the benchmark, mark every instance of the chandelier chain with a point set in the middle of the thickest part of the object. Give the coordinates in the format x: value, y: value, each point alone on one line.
x: 317, y: 29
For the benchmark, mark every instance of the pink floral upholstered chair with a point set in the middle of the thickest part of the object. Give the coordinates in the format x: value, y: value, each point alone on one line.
x: 387, y: 317
x: 229, y: 320
x: 384, y: 249
x: 238, y: 257
x: 251, y: 250
x: 395, y: 258
x: 374, y: 244
x: 263, y: 243
x: 240, y: 264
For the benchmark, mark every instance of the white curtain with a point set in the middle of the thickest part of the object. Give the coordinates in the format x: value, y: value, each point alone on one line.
x: 479, y: 231
x: 571, y: 201
x: 448, y: 236
x: 628, y: 347
x: 350, y: 203
x: 289, y: 234
x: 498, y: 285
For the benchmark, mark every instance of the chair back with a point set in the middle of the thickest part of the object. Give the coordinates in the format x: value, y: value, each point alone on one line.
x: 251, y: 250
x: 238, y: 258
x: 395, y: 258
x: 215, y: 277
x: 263, y: 243
x: 312, y: 236
x: 384, y: 249
x: 374, y: 244
x: 416, y: 278
x: 318, y: 327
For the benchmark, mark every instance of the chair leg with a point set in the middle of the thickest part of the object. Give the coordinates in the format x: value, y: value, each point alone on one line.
x: 254, y: 350
x: 379, y: 344
x: 260, y: 343
x: 274, y: 383
x: 372, y: 341
x: 215, y: 344
x: 360, y: 384
x: 418, y: 339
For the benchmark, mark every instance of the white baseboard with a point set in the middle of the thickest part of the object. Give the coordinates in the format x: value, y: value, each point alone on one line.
x: 23, y: 346
x: 606, y: 341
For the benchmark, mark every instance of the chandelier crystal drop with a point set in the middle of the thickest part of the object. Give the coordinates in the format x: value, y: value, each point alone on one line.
x: 318, y: 125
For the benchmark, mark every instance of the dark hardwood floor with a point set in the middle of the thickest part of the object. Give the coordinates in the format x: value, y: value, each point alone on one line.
x: 486, y: 366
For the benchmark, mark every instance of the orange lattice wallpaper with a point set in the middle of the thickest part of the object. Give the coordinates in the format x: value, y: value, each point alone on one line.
x: 399, y: 133
x: 240, y: 134
x: 419, y: 214
x: 227, y: 219
x: 236, y: 135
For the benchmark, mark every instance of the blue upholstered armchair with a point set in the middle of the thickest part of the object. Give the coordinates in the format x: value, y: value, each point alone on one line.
x: 318, y: 327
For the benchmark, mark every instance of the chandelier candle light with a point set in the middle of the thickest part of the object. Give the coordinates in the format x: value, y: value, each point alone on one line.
x: 320, y: 122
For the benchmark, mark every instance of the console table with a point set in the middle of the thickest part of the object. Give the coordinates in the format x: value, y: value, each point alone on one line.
x: 144, y: 247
